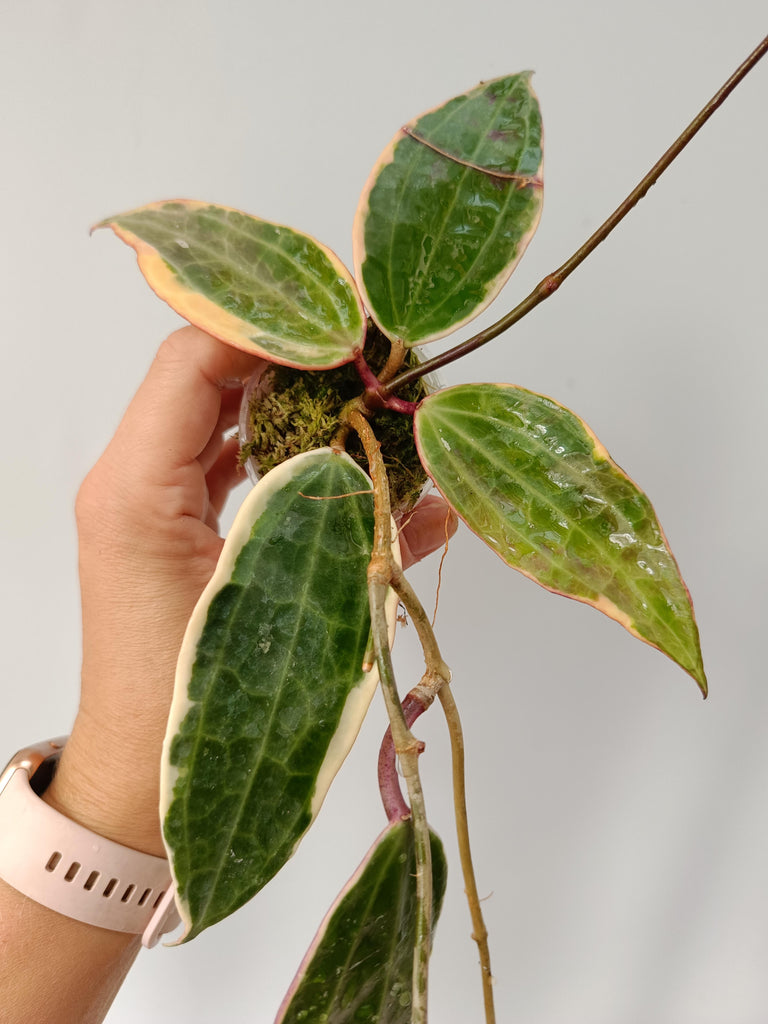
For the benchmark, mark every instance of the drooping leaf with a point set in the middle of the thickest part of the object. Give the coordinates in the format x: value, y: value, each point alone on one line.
x: 261, y: 287
x: 360, y: 965
x: 270, y: 689
x: 535, y: 484
x: 448, y: 210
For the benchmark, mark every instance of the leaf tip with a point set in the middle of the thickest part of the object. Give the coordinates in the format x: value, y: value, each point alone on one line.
x: 701, y: 681
x: 107, y: 223
x: 693, y: 666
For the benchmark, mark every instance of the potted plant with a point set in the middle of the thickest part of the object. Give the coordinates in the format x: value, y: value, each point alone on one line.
x: 271, y: 690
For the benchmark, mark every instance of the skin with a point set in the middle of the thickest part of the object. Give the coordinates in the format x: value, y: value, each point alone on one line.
x: 147, y: 517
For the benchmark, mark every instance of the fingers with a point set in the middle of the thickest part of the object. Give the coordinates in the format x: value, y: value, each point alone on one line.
x: 229, y: 414
x: 428, y: 527
x: 171, y: 439
x: 224, y: 474
x: 180, y: 405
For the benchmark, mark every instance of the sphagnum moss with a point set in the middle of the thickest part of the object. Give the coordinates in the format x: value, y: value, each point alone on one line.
x: 295, y: 411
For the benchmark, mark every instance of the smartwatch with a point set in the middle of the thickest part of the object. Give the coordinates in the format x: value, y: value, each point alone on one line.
x: 69, y: 869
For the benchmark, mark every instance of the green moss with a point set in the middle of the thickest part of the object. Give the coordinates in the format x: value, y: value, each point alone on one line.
x: 297, y: 411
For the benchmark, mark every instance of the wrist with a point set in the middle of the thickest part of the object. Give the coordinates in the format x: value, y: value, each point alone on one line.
x: 62, y: 865
x: 99, y: 786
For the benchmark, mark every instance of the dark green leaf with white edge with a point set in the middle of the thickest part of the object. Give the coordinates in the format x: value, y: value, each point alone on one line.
x: 258, y: 286
x: 448, y: 210
x: 270, y: 687
x: 537, y: 486
x: 360, y: 965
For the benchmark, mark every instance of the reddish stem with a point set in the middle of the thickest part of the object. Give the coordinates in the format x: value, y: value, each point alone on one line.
x: 374, y: 398
x: 395, y: 806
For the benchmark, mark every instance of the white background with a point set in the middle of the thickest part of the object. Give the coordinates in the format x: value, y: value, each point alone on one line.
x: 619, y: 820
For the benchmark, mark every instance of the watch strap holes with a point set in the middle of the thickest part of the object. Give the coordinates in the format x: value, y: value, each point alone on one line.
x: 53, y: 860
x: 109, y: 888
x: 77, y: 873
x: 72, y: 870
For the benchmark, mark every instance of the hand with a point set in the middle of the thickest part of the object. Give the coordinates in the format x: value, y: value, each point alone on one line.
x: 147, y: 517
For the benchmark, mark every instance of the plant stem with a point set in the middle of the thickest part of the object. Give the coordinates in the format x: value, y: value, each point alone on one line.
x: 395, y: 807
x: 373, y: 397
x: 479, y: 931
x: 397, y: 354
x: 436, y: 680
x: 552, y: 281
x: 407, y: 748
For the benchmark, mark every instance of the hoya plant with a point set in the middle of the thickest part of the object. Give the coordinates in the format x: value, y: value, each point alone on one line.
x: 344, y: 430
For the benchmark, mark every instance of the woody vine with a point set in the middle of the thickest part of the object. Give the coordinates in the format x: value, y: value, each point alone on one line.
x: 292, y: 635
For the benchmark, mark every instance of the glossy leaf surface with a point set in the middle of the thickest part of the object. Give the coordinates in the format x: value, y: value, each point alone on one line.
x: 449, y: 209
x: 258, y: 286
x: 535, y: 484
x: 270, y: 691
x: 360, y: 966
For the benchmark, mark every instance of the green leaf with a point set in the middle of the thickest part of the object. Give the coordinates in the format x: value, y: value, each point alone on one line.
x: 261, y: 287
x: 360, y: 965
x: 448, y: 210
x: 537, y: 486
x: 270, y: 687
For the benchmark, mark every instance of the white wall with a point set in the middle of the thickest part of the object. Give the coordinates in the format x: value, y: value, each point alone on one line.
x: 620, y: 822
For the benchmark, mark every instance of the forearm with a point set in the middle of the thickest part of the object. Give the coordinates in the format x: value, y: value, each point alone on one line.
x: 54, y: 970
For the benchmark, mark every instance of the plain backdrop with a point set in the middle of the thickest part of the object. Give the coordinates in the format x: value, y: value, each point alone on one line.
x: 619, y: 821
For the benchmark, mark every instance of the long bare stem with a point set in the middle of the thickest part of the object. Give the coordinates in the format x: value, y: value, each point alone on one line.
x: 479, y: 931
x: 552, y: 281
x: 407, y: 748
x: 437, y: 680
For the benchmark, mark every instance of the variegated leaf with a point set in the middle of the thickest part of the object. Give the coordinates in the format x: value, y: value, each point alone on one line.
x: 360, y: 965
x: 535, y: 484
x: 270, y: 687
x: 448, y: 210
x: 261, y: 287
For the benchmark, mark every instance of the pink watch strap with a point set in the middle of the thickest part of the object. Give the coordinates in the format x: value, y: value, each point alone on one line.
x: 71, y: 870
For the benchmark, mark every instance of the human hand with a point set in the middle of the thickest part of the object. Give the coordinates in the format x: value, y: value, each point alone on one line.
x: 147, y: 517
